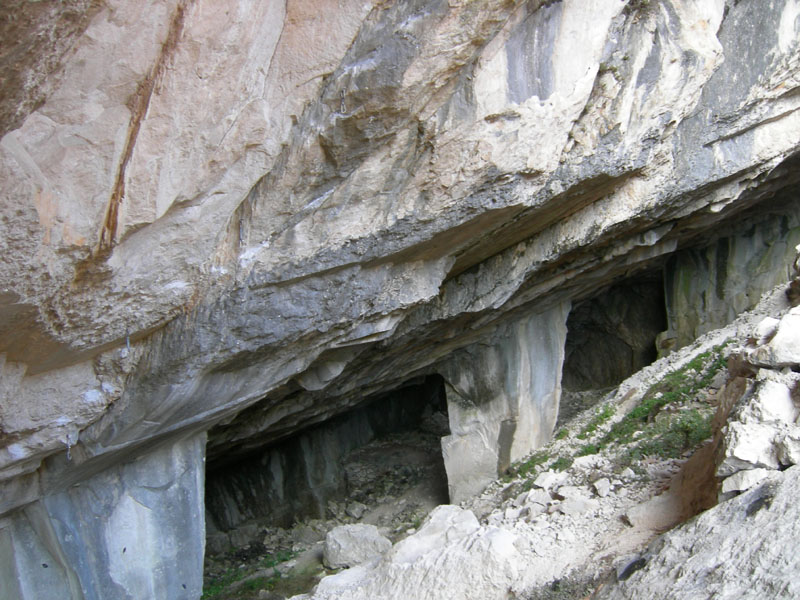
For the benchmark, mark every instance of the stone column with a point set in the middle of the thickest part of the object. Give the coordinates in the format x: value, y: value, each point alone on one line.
x: 502, y: 398
x: 135, y: 530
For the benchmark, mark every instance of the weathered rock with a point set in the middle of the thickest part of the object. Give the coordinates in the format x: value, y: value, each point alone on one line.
x: 469, y: 562
x: 576, y: 505
x: 549, y: 480
x: 659, y: 513
x: 765, y: 330
x: 743, y: 548
x: 748, y: 446
x: 743, y: 480
x: 788, y: 447
x: 538, y: 496
x: 351, y: 545
x: 706, y: 288
x: 783, y: 350
x: 502, y: 399
x: 602, y: 487
x: 355, y: 510
x: 771, y: 401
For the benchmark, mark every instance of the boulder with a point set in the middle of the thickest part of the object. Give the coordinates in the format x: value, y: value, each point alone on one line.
x: 772, y: 400
x: 765, y: 329
x: 451, y: 556
x: 350, y: 545
x: 747, y: 446
x: 788, y: 447
x: 783, y: 350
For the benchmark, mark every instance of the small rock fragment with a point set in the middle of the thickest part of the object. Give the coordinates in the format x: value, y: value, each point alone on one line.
x: 355, y: 510
x: 743, y: 480
x: 602, y: 487
x: 549, y: 480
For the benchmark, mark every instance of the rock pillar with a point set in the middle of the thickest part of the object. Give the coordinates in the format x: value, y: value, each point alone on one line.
x: 136, y: 530
x: 502, y: 398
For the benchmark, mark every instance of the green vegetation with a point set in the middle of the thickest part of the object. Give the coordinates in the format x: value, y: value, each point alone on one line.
x: 671, y: 418
x: 672, y: 437
x: 219, y: 584
x: 527, y: 467
x: 561, y: 463
x: 601, y: 415
x: 588, y: 449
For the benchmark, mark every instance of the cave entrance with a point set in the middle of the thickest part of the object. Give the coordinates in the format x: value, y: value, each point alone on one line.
x: 610, y: 336
x: 380, y: 463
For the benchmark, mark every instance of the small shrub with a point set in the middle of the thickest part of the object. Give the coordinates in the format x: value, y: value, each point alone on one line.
x: 561, y: 463
x: 588, y: 449
x: 673, y: 437
x: 561, y: 434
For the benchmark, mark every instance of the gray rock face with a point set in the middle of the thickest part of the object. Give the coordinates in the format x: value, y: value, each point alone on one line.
x: 742, y: 548
x: 706, y: 288
x: 244, y: 220
x: 133, y: 531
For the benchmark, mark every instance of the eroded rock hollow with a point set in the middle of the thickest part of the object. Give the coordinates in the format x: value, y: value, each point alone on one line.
x: 226, y: 223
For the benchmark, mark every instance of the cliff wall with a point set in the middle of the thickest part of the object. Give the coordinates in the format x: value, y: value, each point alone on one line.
x: 243, y: 218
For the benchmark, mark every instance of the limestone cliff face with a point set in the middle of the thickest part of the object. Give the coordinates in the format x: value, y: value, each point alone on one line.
x: 274, y: 209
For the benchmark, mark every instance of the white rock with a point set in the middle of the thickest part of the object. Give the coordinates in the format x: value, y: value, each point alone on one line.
x: 446, y: 522
x: 765, y: 329
x: 451, y: 556
x: 587, y: 463
x: 772, y: 401
x: 349, y: 545
x: 747, y: 446
x: 656, y: 514
x: 788, y: 447
x: 550, y: 480
x: 745, y: 548
x: 520, y: 499
x: 628, y: 474
x: 743, y: 480
x: 577, y: 505
x: 565, y: 535
x: 602, y: 487
x: 783, y: 350
x: 539, y: 497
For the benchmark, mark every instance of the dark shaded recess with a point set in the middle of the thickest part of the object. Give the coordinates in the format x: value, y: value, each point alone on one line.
x: 613, y: 334
x: 296, y: 477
